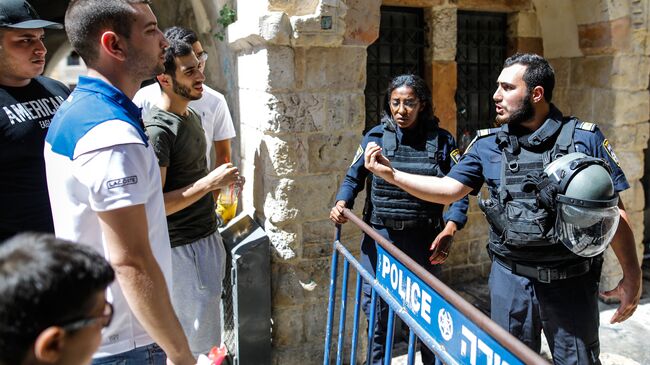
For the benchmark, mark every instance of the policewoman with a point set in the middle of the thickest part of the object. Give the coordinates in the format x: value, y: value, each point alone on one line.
x: 413, y: 142
x: 546, y: 253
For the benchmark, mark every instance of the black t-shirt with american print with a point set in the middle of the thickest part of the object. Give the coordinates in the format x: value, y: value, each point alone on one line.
x: 25, y: 114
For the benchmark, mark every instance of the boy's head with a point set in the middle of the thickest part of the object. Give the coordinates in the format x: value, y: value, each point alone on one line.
x: 52, y: 300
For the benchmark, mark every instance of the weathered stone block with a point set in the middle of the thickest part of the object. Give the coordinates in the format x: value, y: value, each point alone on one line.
x: 443, y: 34
x: 634, y: 197
x: 630, y: 72
x: 292, y: 112
x: 312, y: 196
x: 477, y: 252
x: 361, y: 22
x: 523, y: 24
x: 284, y: 240
x: 476, y: 228
x: 562, y: 101
x: 444, y: 83
x: 582, y: 104
x: 331, y: 152
x: 593, y: 71
x: 632, y: 164
x: 301, y: 282
x: 621, y: 107
x: 502, y: 6
x: 333, y: 68
x: 304, y: 353
x: 525, y: 45
x: 562, y: 68
x: 287, y: 155
x: 457, y: 254
x: 267, y: 69
x: 559, y: 29
x: 288, y: 328
x: 627, y: 137
x: 590, y: 11
x: 294, y: 7
x: 605, y: 37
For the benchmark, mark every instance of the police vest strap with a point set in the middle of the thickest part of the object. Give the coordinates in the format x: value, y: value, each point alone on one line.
x: 432, y: 144
x: 564, y: 142
x: 389, y: 142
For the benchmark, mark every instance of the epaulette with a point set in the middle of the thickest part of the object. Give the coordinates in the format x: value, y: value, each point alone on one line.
x: 480, y: 134
x: 586, y: 126
x: 486, y: 132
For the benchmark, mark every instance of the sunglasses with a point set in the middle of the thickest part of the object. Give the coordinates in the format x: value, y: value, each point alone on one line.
x: 105, y: 319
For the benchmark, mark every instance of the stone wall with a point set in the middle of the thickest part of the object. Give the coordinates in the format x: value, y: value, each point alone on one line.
x: 600, y: 54
x: 301, y: 75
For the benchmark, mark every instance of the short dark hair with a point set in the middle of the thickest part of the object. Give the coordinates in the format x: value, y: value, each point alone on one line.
x: 86, y: 19
x: 538, y: 72
x: 179, y: 33
x: 421, y: 91
x: 177, y: 48
x: 44, y: 281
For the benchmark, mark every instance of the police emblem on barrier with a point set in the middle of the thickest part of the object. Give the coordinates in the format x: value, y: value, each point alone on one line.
x: 445, y: 324
x: 610, y: 152
x: 357, y: 155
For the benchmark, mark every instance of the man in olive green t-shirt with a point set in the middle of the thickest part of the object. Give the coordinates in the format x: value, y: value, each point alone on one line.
x: 198, y: 255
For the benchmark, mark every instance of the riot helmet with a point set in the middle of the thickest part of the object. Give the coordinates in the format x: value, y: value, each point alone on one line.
x: 586, y: 203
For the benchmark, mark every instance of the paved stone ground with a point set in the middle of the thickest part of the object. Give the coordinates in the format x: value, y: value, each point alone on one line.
x: 626, y: 343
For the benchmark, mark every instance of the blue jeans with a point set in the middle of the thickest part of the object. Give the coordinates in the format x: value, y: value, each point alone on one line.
x: 145, y: 355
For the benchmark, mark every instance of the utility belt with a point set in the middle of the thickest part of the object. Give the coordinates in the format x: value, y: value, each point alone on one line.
x: 548, y: 274
x: 399, y: 225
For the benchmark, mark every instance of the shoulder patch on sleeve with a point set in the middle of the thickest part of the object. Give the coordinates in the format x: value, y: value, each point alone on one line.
x: 586, y: 126
x: 357, y: 155
x: 610, y: 152
x: 455, y: 155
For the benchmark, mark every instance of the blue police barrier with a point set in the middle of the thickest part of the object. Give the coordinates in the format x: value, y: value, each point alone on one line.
x: 452, y: 328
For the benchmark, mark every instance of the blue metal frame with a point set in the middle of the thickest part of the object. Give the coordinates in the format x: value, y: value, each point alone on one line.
x: 483, y: 341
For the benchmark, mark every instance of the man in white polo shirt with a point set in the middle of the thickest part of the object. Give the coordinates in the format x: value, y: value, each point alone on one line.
x: 104, y: 182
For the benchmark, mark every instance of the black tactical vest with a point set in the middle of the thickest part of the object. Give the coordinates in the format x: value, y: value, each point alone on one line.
x: 422, y: 158
x: 519, y: 228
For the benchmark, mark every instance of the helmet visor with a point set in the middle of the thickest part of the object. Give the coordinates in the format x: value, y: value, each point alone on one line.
x: 586, y: 231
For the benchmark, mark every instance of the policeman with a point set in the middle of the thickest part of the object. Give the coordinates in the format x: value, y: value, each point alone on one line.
x: 413, y: 142
x: 535, y: 282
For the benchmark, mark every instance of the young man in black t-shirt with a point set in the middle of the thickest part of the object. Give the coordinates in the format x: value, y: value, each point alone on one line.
x: 27, y: 104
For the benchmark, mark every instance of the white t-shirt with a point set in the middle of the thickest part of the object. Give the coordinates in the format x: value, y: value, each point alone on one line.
x: 212, y: 108
x: 111, y: 169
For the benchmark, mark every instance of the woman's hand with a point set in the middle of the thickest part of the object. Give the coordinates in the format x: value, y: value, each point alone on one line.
x: 442, y: 244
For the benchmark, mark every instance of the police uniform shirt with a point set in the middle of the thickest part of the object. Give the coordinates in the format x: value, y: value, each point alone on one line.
x: 482, y: 160
x: 355, y: 178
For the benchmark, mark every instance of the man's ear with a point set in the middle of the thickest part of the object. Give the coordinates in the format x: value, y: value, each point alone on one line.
x: 164, y: 80
x: 113, y: 45
x: 48, y: 346
x: 538, y: 94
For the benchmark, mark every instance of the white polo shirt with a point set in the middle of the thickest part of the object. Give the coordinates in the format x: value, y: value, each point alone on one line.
x: 212, y: 108
x: 111, y: 169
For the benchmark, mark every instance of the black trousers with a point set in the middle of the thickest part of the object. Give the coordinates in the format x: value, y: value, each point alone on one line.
x: 567, y: 311
x: 415, y: 243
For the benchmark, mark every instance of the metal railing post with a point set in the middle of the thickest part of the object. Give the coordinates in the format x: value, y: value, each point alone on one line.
x: 355, y: 325
x: 332, y: 299
x: 344, y: 297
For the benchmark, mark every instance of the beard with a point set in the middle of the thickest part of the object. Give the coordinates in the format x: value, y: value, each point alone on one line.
x: 184, y: 91
x: 522, y: 113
